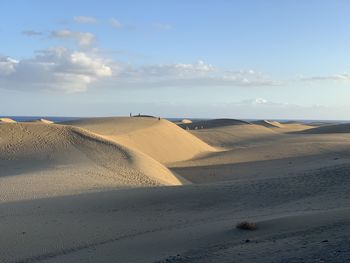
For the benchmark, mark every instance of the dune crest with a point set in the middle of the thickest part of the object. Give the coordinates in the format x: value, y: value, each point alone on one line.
x: 214, y: 123
x: 186, y: 121
x: 269, y: 124
x: 44, y: 121
x: 7, y: 120
x: 162, y: 140
x: 329, y: 129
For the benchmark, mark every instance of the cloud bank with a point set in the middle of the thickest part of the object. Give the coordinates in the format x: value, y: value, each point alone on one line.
x: 63, y: 69
x: 74, y: 71
x: 181, y: 75
x: 53, y: 69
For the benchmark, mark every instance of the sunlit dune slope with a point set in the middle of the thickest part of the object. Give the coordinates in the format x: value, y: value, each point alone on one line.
x: 234, y: 135
x: 160, y: 139
x: 43, y: 121
x: 290, y: 126
x: 7, y: 120
x: 269, y: 124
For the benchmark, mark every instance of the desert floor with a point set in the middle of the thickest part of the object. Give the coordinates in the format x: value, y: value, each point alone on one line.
x: 139, y: 189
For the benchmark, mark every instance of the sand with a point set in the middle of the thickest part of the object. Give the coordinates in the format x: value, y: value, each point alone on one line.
x: 44, y: 121
x: 91, y: 191
x: 228, y: 136
x: 7, y: 120
x: 43, y: 160
x: 270, y: 124
x: 209, y: 124
x: 160, y: 139
x: 186, y: 121
x: 329, y: 129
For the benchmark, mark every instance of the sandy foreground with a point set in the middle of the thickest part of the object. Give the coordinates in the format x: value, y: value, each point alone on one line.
x: 146, y: 190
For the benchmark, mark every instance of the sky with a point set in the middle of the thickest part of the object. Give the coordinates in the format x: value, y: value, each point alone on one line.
x: 176, y: 58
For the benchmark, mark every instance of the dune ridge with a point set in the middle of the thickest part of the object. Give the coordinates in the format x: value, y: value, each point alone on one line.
x: 269, y: 124
x: 7, y: 120
x: 226, y: 137
x: 329, y: 129
x: 210, y: 124
x: 42, y: 120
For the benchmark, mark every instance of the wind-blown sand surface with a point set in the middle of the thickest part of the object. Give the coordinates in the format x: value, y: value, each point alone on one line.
x: 209, y: 124
x: 329, y: 129
x: 39, y: 160
x: 160, y: 139
x: 7, y: 120
x: 83, y: 194
x: 270, y: 124
x: 44, y: 121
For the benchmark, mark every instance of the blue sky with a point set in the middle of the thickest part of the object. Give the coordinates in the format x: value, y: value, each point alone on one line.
x: 238, y: 59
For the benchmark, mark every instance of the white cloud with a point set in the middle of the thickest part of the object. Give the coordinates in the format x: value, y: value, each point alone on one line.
x: 85, y: 20
x: 56, y: 68
x: 31, y: 33
x: 84, y: 39
x: 72, y: 71
x: 7, y: 65
x: 250, y: 109
x: 197, y: 74
x: 116, y: 23
x: 261, y: 102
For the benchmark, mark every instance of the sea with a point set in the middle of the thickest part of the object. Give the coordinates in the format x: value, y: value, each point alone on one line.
x: 65, y: 118
x: 33, y: 118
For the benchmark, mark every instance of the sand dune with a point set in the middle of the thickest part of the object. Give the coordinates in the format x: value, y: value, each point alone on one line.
x: 210, y: 124
x: 40, y: 160
x: 234, y: 135
x: 290, y: 126
x: 291, y: 122
x: 186, y: 121
x: 43, y: 121
x: 269, y: 124
x: 254, y: 149
x: 328, y: 129
x: 7, y: 120
x: 160, y: 139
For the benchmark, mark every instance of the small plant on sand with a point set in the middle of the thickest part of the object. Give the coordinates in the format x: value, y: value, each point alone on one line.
x: 245, y: 225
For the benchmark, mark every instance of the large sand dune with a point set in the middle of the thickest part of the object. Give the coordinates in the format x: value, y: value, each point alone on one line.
x: 328, y: 129
x: 160, y: 139
x: 228, y: 136
x: 40, y: 160
x: 289, y: 126
x: 214, y: 123
x: 269, y: 124
x: 43, y: 121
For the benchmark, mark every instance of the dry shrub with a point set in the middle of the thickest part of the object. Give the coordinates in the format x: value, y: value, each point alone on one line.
x: 245, y: 225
